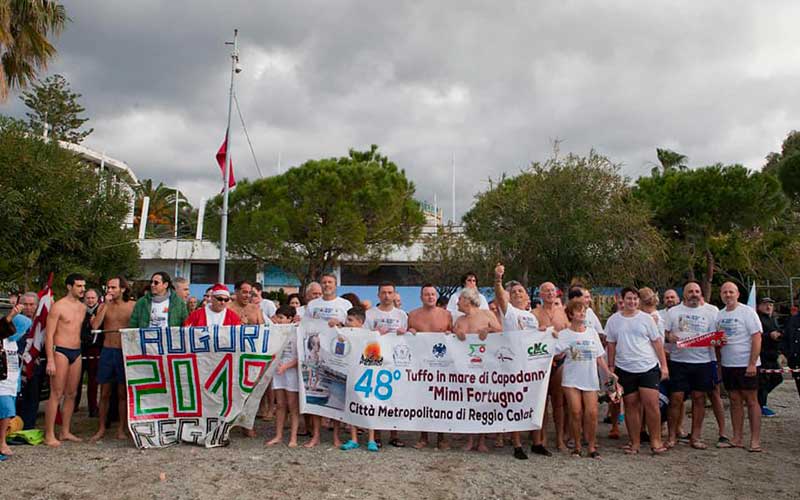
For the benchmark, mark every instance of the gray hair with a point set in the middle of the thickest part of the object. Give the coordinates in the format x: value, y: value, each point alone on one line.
x: 472, y: 295
x: 511, y: 284
x: 31, y: 295
x: 180, y: 280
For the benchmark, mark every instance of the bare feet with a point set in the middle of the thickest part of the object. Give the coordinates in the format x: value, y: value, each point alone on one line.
x: 443, y: 445
x: 52, y: 442
x: 314, y: 442
x: 293, y: 443
x: 337, y: 443
x: 274, y: 441
x: 499, y: 442
x: 420, y: 444
x: 483, y: 448
x: 68, y: 436
x: 122, y: 435
x: 469, y: 446
x: 5, y: 450
x: 251, y: 433
x: 98, y: 436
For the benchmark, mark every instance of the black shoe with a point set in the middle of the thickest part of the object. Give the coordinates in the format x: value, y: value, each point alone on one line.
x: 540, y: 450
x: 519, y: 453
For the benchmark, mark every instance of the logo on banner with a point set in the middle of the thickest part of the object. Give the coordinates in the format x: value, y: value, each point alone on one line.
x: 537, y: 350
x: 372, y: 355
x: 439, y: 350
x: 401, y: 355
x: 504, y: 354
x: 340, y: 346
x: 476, y: 352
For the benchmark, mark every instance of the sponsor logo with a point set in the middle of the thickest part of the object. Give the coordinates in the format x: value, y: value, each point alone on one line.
x: 476, y: 352
x: 340, y: 346
x: 401, y: 355
x: 372, y: 355
x: 538, y: 349
x: 439, y: 350
x: 504, y: 354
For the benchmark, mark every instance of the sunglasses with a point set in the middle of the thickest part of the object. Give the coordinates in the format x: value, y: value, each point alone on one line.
x: 222, y: 299
x: 154, y: 282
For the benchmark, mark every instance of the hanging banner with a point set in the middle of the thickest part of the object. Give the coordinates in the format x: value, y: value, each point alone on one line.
x: 430, y: 382
x: 194, y: 384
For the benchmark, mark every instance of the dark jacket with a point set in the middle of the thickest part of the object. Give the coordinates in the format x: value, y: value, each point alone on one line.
x: 791, y: 341
x: 769, y: 348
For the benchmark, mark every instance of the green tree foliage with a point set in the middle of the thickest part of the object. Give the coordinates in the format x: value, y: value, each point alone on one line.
x: 564, y: 218
x: 671, y: 160
x: 53, y: 102
x: 706, y: 210
x: 307, y: 218
x: 447, y: 255
x: 59, y: 215
x: 161, y: 211
x: 25, y: 26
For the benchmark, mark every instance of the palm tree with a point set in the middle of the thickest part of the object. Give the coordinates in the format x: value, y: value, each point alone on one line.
x: 161, y: 213
x: 24, y: 28
x: 671, y: 160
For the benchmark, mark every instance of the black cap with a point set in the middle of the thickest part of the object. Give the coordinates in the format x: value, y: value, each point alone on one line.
x: 766, y: 300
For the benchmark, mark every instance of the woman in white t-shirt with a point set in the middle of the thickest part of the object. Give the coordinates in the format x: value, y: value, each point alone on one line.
x: 286, y: 383
x: 584, y: 355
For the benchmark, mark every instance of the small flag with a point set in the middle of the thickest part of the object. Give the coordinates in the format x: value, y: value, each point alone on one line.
x: 35, y: 337
x: 221, y: 163
x: 751, y: 300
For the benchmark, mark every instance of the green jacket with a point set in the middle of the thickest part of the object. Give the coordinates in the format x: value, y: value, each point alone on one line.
x: 140, y: 318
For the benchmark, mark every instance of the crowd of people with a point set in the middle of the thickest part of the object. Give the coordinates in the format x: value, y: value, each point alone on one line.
x: 636, y: 361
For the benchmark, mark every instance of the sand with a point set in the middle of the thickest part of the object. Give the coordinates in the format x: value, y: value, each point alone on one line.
x: 246, y: 469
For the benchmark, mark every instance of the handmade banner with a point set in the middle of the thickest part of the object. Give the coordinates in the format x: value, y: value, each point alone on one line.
x: 710, y: 339
x: 425, y: 382
x: 194, y: 384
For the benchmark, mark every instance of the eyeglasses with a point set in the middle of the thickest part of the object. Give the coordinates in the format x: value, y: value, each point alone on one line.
x: 154, y: 282
x: 222, y: 299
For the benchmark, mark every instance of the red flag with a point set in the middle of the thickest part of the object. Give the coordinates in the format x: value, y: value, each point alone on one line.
x: 221, y: 163
x: 710, y: 339
x: 35, y: 337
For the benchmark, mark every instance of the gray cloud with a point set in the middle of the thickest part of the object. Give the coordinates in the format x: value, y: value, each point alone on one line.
x: 492, y: 83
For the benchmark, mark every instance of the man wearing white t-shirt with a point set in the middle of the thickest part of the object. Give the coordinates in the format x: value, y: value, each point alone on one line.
x: 691, y: 369
x: 329, y: 307
x: 636, y: 354
x: 739, y: 357
x: 385, y: 317
x: 334, y: 309
x: 511, y: 302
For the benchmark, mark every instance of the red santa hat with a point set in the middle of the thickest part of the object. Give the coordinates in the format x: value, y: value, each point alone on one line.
x: 220, y: 290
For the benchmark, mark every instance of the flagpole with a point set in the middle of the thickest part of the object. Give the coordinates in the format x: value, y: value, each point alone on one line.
x: 223, y: 237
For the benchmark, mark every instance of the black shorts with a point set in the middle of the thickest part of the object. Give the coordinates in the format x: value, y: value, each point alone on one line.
x: 632, y: 382
x: 690, y: 377
x: 735, y: 379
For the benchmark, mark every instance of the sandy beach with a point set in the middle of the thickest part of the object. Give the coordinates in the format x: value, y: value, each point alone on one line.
x: 246, y: 469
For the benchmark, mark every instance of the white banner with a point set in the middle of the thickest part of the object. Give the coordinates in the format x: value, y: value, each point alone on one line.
x: 425, y: 382
x: 194, y: 384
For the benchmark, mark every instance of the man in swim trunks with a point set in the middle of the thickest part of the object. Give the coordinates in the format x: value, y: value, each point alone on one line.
x: 430, y: 318
x: 63, y: 347
x: 113, y: 315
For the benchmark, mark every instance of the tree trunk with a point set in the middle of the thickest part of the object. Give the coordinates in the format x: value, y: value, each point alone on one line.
x: 709, y: 275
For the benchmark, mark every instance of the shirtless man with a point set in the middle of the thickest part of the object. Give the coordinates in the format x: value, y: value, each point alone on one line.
x: 249, y: 313
x: 63, y: 347
x: 550, y: 314
x: 113, y: 315
x: 430, y: 318
x: 482, y: 322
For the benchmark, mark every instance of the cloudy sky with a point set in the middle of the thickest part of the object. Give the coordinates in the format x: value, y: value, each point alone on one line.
x: 493, y: 83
